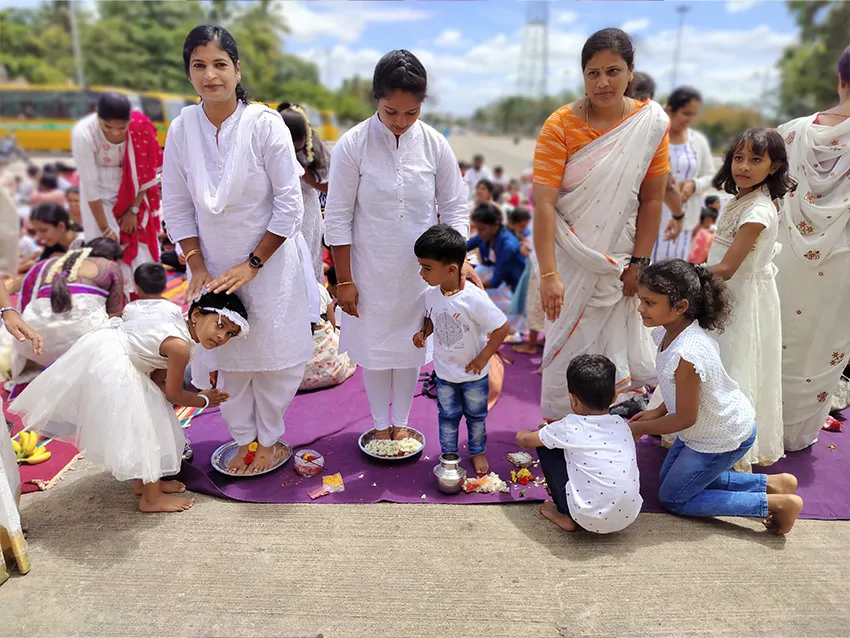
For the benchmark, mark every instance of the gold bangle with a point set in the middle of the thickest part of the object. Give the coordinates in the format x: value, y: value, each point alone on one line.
x: 345, y: 283
x: 549, y: 274
x: 192, y: 253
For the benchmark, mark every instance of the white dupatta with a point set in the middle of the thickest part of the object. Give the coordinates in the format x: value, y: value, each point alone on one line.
x: 598, y: 197
x: 815, y: 214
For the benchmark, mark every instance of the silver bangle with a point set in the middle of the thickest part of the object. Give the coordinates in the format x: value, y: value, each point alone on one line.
x: 206, y: 400
x: 7, y: 309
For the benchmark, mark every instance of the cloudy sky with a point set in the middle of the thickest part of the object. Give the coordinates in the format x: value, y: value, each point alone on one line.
x: 472, y: 49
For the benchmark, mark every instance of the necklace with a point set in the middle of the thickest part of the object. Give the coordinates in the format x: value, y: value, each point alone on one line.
x: 588, y: 105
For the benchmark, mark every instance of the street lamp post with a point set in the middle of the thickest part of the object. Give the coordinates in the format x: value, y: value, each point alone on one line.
x: 78, y: 52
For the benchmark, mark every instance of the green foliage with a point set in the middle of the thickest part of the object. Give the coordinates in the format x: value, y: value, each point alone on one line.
x: 809, y: 68
x: 721, y: 123
x: 518, y: 115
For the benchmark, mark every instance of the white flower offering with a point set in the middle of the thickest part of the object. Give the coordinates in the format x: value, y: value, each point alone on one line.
x: 388, y: 448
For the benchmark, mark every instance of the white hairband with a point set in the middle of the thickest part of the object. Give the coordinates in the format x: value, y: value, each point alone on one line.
x: 235, y: 317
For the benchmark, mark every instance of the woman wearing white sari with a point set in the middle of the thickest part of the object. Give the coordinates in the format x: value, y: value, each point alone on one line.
x: 814, y: 264
x: 599, y: 175
x: 232, y: 199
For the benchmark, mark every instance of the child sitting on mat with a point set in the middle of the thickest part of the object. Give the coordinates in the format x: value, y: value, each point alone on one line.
x: 99, y: 396
x: 461, y: 317
x: 588, y: 457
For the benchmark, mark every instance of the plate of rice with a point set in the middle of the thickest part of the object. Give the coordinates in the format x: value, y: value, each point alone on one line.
x: 387, y: 450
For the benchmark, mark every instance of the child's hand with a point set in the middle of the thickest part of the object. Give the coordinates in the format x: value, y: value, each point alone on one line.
x: 419, y: 339
x: 647, y: 415
x: 478, y: 364
x: 216, y: 397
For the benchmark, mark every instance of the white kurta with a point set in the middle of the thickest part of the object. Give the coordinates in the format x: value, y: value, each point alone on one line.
x: 314, y: 228
x: 277, y: 298
x: 382, y: 196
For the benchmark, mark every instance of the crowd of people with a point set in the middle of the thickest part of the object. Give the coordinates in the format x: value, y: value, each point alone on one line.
x: 613, y: 232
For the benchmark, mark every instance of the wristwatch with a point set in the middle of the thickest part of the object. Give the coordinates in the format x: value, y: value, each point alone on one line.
x: 641, y: 261
x: 134, y: 210
x: 254, y: 261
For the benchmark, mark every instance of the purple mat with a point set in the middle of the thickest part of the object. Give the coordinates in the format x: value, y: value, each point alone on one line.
x: 331, y: 421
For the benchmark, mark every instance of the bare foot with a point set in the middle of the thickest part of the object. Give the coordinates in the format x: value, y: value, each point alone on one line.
x: 781, y: 484
x: 550, y: 511
x: 540, y: 371
x: 166, y: 487
x: 383, y: 435
x: 264, y: 459
x: 165, y: 503
x: 480, y: 464
x: 400, y: 433
x: 525, y: 348
x: 784, y: 510
x: 237, y: 464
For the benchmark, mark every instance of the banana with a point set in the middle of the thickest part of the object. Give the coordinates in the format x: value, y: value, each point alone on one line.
x: 17, y: 447
x: 40, y: 457
x: 32, y: 441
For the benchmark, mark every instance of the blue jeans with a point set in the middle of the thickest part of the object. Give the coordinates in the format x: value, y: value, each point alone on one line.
x: 698, y: 484
x: 456, y: 400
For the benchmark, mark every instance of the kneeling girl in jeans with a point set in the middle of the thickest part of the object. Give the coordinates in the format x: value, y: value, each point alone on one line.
x: 714, y: 421
x: 468, y: 330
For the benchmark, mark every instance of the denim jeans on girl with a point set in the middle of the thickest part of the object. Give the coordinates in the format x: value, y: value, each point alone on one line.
x: 698, y: 484
x: 469, y: 400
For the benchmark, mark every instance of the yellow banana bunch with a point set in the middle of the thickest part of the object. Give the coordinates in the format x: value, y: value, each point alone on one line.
x: 27, y: 451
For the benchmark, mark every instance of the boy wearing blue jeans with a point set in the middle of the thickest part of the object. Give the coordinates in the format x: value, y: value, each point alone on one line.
x: 468, y: 330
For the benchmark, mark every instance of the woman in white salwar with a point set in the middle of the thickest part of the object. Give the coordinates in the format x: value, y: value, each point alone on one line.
x: 600, y: 169
x: 13, y: 546
x: 390, y: 176
x: 232, y: 199
x: 813, y: 282
x: 118, y: 159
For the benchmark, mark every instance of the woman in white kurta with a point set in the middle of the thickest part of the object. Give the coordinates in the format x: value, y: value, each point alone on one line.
x: 692, y: 169
x: 390, y: 177
x: 232, y: 199
x: 814, y: 265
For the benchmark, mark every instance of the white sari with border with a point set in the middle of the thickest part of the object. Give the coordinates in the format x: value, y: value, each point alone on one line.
x: 813, y: 282
x: 594, y: 238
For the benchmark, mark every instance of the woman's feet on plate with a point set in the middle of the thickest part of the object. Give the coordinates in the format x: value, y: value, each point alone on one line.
x: 166, y: 487
x: 480, y: 464
x: 237, y: 464
x: 784, y: 510
x: 384, y: 435
x: 400, y: 433
x: 781, y: 483
x: 265, y: 458
x: 549, y: 510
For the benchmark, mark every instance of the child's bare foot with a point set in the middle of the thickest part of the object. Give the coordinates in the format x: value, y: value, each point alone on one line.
x: 264, y: 459
x: 781, y: 484
x: 165, y: 503
x: 237, y: 464
x: 166, y: 487
x: 525, y: 348
x: 784, y: 510
x: 384, y: 435
x: 549, y: 510
x: 480, y: 464
x: 399, y: 433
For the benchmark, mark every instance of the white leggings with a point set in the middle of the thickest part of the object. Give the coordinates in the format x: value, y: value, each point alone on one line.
x: 385, y: 386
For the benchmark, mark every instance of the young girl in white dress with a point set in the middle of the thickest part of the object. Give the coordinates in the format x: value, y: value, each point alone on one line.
x: 108, y: 397
x: 755, y: 170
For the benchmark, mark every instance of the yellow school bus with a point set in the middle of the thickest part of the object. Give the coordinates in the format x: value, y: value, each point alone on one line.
x: 163, y: 108
x: 328, y: 131
x: 41, y: 116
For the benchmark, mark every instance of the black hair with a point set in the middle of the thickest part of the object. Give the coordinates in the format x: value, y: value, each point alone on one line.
x: 113, y: 106
x: 300, y: 128
x: 62, y: 167
x: 592, y: 379
x: 681, y: 97
x: 219, y: 301
x: 60, y: 296
x: 105, y: 248
x: 498, y: 169
x: 844, y: 65
x: 462, y: 165
x: 32, y: 170
x: 486, y: 183
x: 441, y: 243
x: 399, y: 70
x: 478, y: 157
x: 706, y: 293
x: 487, y: 213
x: 498, y: 191
x: 206, y: 34
x: 53, y: 214
x: 49, y: 181
x: 642, y: 86
x: 519, y: 215
x: 151, y: 278
x: 615, y: 40
x: 761, y: 141
x: 708, y: 213
x: 72, y: 189
x: 331, y: 275
x: 710, y: 199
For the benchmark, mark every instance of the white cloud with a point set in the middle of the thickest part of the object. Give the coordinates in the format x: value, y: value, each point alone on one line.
x: 633, y: 26
x: 739, y: 6
x: 449, y: 38
x: 565, y: 17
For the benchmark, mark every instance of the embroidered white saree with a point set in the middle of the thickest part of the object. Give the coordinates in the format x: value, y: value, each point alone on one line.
x: 595, y: 233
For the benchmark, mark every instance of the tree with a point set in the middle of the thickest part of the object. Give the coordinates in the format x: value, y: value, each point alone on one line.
x: 518, y: 115
x: 721, y: 123
x: 809, y: 68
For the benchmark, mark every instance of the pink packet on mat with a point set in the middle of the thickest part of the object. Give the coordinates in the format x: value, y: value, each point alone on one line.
x: 316, y: 493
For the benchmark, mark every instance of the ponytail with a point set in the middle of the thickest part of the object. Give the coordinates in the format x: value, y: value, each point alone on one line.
x: 242, y: 94
x: 705, y: 292
x: 62, y: 271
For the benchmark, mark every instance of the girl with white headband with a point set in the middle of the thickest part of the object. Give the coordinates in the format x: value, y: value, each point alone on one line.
x: 111, y: 393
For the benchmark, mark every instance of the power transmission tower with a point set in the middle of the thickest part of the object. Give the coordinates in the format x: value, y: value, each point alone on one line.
x: 534, y: 55
x: 681, y: 10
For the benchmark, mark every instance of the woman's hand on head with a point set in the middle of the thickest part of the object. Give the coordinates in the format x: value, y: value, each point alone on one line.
x: 234, y: 278
x: 200, y: 280
x: 552, y: 296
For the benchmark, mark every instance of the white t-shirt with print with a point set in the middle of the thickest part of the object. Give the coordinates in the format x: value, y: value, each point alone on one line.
x: 462, y: 323
x: 603, y: 491
x: 725, y: 417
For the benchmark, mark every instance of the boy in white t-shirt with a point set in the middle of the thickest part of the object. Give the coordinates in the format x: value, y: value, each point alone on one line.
x: 460, y: 317
x: 588, y: 458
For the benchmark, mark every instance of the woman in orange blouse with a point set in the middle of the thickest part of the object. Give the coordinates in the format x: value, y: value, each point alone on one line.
x: 599, y: 177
